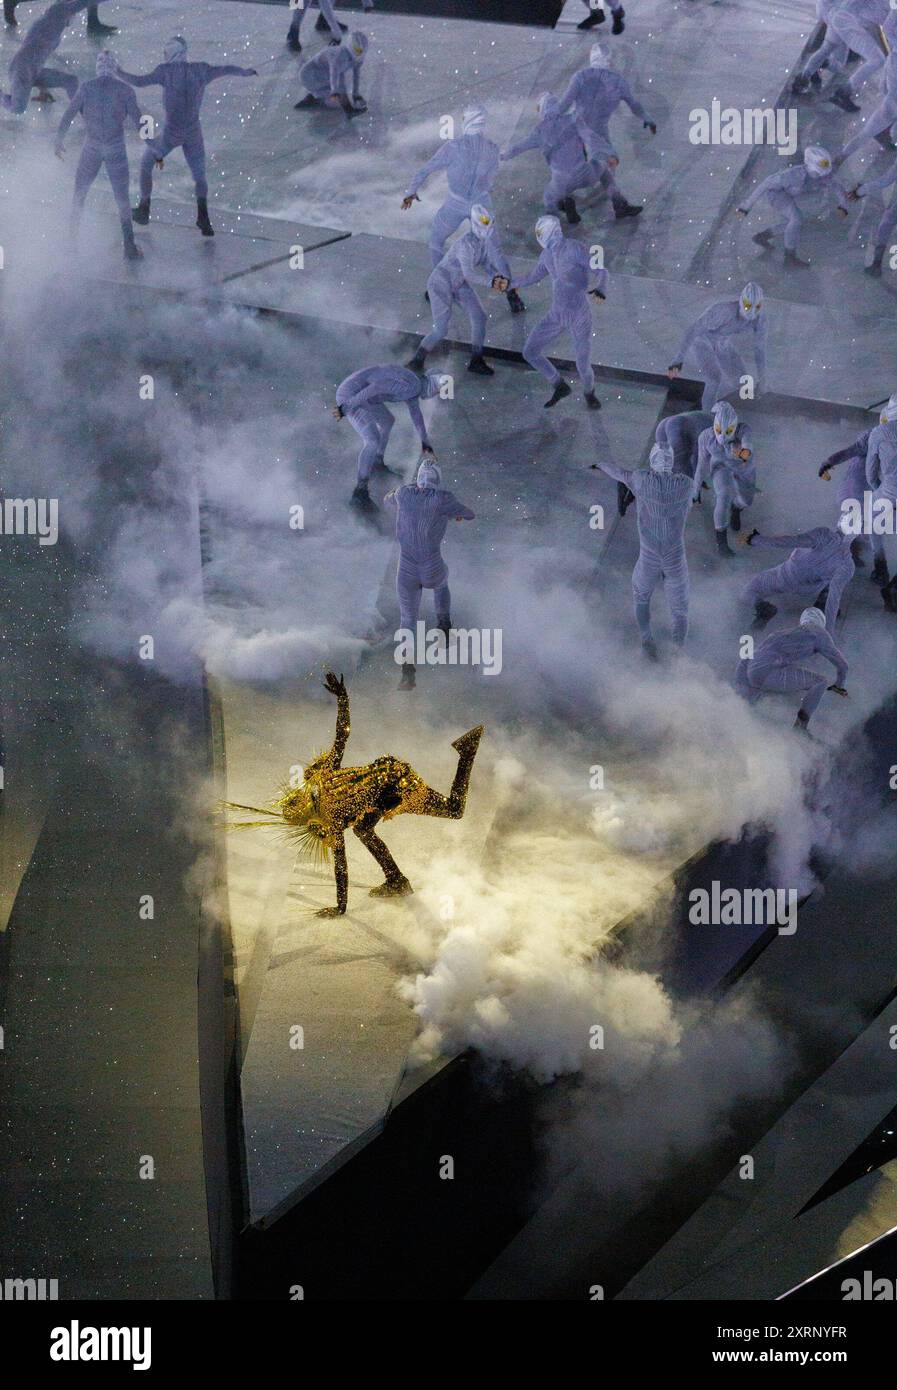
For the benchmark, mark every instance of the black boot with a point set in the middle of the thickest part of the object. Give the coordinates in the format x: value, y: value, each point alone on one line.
x: 722, y: 542
x: 624, y: 209
x: 132, y: 250
x: 625, y: 498
x: 763, y: 238
x: 889, y: 595
x: 9, y: 11
x: 141, y: 213
x: 417, y: 361
x: 649, y: 649
x: 568, y: 207
x: 480, y: 366
x: 874, y: 266
x: 843, y: 99
x: 293, y: 42
x: 821, y: 599
x: 883, y: 138
x: 879, y: 573
x: 444, y: 624
x: 800, y: 85
x: 816, y: 81
x: 515, y: 303
x: 857, y: 552
x: 202, y: 218
x: 735, y: 521
x: 560, y: 391
x: 596, y: 17
x: 763, y: 613
x: 306, y: 103
x: 409, y: 676
x: 618, y: 26
x: 802, y: 720
x: 323, y: 27
x: 592, y: 401
x: 96, y: 26
x: 362, y: 498
x: 795, y: 261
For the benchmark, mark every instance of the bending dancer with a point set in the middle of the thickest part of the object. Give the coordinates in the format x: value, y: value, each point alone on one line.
x: 334, y: 799
x: 471, y: 259
x: 183, y: 87
x: 820, y: 563
x: 567, y: 262
x: 662, y: 505
x: 470, y: 162
x: 423, y: 510
x: 595, y: 93
x: 776, y: 666
x: 105, y: 104
x: 561, y: 144
x: 27, y: 68
x: 362, y: 399
x: 812, y: 181
x: 726, y: 456
x: 709, y: 336
x: 881, y: 479
x: 330, y: 74
x: 851, y: 488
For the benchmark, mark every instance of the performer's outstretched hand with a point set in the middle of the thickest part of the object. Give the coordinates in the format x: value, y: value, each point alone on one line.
x: 335, y: 684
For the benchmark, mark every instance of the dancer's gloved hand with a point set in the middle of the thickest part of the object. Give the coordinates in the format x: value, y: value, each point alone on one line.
x: 335, y: 684
x: 406, y: 202
x: 501, y: 283
x: 749, y: 538
x: 359, y: 104
x: 598, y: 297
x: 838, y: 690
x: 854, y: 195
x: 673, y: 370
x: 650, y: 125
x: 825, y: 473
x: 428, y: 450
x: 338, y: 413
x: 741, y: 212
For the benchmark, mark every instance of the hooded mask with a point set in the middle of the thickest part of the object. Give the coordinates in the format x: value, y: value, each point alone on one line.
x: 889, y: 411
x: 599, y: 57
x: 725, y: 422
x: 817, y: 161
x: 661, y: 458
x: 430, y: 384
x: 751, y: 301
x: 429, y: 474
x: 481, y: 221
x: 175, y: 51
x: 473, y: 120
x: 357, y: 45
x: 548, y: 229
x: 812, y: 617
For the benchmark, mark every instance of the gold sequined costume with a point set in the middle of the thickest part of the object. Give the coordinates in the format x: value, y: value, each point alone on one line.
x: 333, y: 799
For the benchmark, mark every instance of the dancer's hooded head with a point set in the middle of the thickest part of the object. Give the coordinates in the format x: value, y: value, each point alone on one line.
x: 548, y: 230
x: 812, y: 617
x: 473, y: 120
x: 175, y: 50
x: 428, y: 474
x: 482, y: 221
x: 751, y: 301
x: 599, y: 56
x: 431, y: 384
x: 661, y: 458
x: 357, y: 44
x: 725, y: 422
x: 817, y: 161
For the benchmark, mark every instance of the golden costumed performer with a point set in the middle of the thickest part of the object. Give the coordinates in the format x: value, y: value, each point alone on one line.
x: 334, y: 798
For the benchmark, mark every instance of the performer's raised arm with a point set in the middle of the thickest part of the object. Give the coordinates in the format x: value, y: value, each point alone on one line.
x: 336, y: 686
